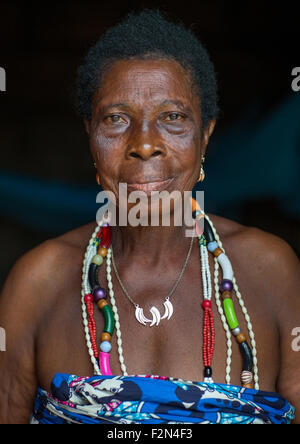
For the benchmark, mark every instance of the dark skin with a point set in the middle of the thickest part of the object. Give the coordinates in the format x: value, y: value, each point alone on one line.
x: 156, y: 131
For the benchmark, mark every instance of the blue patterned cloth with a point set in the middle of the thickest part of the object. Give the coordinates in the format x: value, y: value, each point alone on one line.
x: 155, y: 400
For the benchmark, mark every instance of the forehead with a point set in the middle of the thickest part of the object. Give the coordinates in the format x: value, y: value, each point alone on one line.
x: 150, y: 81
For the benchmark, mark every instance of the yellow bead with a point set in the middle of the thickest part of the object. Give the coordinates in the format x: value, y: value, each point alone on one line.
x: 248, y: 386
x: 226, y: 294
x: 241, y: 338
x: 102, y: 251
x: 105, y: 337
x: 97, y: 259
x: 101, y: 303
x: 217, y: 252
x: 195, y: 205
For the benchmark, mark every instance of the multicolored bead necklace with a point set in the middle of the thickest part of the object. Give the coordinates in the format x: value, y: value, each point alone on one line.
x: 100, y: 247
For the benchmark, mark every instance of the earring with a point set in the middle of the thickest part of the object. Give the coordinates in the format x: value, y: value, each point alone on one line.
x: 97, y: 175
x: 202, y: 173
x: 98, y: 179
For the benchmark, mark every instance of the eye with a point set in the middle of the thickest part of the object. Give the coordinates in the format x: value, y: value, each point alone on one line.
x: 115, y: 118
x: 174, y: 117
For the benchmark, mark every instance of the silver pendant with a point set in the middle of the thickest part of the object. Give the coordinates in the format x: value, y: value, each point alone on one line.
x: 156, y: 317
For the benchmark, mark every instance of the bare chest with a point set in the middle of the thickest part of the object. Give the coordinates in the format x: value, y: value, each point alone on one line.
x: 173, y: 348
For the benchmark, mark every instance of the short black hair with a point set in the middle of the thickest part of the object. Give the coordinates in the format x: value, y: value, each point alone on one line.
x: 143, y: 35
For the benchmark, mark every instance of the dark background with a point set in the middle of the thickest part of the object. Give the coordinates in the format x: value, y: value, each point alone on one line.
x: 254, y: 46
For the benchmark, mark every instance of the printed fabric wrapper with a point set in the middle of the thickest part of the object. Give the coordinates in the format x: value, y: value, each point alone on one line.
x: 150, y: 399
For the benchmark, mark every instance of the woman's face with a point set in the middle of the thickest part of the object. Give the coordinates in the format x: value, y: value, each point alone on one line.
x: 146, y: 128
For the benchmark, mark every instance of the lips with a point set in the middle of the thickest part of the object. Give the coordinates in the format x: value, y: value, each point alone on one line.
x: 151, y: 185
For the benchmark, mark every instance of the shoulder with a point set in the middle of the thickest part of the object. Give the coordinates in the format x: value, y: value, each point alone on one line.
x: 29, y: 294
x: 35, y: 277
x: 268, y: 263
x: 39, y: 261
x: 55, y: 248
x: 268, y: 250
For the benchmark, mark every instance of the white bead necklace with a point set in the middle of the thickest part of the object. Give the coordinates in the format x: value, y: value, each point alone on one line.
x: 207, y: 293
x: 245, y: 313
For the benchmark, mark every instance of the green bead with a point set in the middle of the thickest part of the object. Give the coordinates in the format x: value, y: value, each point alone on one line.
x: 230, y: 313
x: 202, y: 240
x: 96, y: 242
x: 97, y: 259
x: 109, y: 319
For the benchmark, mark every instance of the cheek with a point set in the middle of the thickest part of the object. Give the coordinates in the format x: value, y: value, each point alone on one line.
x: 107, y: 153
x: 186, y: 152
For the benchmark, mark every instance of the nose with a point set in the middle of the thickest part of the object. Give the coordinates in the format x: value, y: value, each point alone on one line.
x: 144, y: 144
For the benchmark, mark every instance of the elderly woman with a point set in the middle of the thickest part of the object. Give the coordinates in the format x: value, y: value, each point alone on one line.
x: 112, y: 323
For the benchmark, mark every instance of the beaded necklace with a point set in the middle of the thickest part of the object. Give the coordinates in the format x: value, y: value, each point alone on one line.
x: 99, y: 248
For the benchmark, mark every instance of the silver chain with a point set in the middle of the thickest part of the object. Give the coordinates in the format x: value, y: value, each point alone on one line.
x: 174, y: 286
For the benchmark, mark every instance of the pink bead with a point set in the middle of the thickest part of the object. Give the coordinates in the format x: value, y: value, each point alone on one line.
x: 199, y: 228
x: 104, y: 363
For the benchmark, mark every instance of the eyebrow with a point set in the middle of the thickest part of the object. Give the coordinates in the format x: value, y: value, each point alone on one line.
x: 176, y: 103
x: 165, y: 102
x: 114, y: 105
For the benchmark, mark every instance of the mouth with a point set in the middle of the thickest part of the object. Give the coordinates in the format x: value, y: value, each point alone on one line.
x: 148, y: 186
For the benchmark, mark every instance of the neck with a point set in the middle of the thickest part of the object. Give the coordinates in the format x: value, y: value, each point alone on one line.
x: 149, y: 242
x: 154, y: 245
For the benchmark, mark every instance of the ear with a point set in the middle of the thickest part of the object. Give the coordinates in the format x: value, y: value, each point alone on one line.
x: 87, y: 126
x: 208, y: 130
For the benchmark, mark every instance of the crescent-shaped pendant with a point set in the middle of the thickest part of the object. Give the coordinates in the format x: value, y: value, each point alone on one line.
x: 139, y: 314
x: 156, y: 316
x: 168, y: 310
